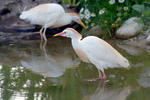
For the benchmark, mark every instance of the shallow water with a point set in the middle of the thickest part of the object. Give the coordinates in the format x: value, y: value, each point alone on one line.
x: 27, y: 73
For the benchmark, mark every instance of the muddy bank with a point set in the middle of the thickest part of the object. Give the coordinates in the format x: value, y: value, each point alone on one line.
x: 14, y: 29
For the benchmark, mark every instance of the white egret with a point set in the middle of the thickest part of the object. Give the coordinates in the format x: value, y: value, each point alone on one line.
x: 49, y: 15
x: 94, y: 50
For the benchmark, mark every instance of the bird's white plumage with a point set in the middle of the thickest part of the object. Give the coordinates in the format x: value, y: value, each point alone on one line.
x: 101, y: 54
x: 50, y: 15
x: 95, y: 50
x: 44, y: 14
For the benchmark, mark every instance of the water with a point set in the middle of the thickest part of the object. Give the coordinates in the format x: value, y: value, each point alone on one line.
x: 27, y: 73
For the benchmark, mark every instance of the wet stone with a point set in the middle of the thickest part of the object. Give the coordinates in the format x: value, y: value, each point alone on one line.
x: 130, y: 28
x: 148, y: 39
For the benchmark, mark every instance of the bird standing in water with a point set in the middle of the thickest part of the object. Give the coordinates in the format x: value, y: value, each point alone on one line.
x: 94, y: 50
x: 49, y: 15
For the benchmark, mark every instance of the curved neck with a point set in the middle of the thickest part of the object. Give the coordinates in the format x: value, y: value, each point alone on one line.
x: 76, y: 42
x: 67, y: 16
x: 77, y: 38
x: 66, y: 19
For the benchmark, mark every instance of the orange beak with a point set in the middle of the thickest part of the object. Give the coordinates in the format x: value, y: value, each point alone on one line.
x: 82, y: 24
x: 58, y: 34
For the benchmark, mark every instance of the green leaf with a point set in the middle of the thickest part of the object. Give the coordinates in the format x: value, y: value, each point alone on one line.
x: 146, y: 3
x: 147, y: 12
x: 138, y: 8
x: 139, y: 20
x: 147, y: 18
x: 66, y: 2
x: 78, y: 3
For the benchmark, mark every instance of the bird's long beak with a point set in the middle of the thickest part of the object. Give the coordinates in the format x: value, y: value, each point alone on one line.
x: 58, y: 34
x: 82, y: 24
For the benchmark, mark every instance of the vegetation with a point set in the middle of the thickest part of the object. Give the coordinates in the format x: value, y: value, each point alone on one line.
x: 108, y: 14
x: 143, y: 10
x: 72, y: 2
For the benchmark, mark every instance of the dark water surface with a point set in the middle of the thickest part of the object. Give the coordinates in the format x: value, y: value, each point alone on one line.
x: 27, y: 73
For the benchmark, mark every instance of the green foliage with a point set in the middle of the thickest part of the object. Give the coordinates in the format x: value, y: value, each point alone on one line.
x: 143, y: 11
x: 139, y: 20
x: 71, y: 2
x: 108, y: 14
x: 138, y: 8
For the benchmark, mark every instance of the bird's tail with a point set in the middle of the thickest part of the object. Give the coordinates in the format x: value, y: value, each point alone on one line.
x: 125, y: 63
x: 23, y: 15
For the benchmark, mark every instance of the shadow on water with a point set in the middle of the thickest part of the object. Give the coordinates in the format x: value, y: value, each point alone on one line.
x: 26, y: 73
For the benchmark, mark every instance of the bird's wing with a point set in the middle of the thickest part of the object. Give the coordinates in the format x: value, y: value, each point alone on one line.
x: 47, y: 9
x: 45, y: 20
x: 100, y: 52
x: 44, y: 13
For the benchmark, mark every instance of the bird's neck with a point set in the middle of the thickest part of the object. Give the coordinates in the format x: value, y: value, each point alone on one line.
x: 76, y: 42
x: 64, y: 20
x: 67, y: 17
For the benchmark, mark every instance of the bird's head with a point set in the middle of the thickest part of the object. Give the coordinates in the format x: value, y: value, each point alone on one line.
x: 70, y: 33
x: 76, y: 18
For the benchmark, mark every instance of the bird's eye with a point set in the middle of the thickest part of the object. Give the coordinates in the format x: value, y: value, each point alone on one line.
x: 64, y: 32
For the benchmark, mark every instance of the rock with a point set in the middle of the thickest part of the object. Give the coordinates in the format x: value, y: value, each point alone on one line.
x: 96, y: 31
x: 130, y: 49
x: 130, y: 28
x: 144, y: 79
x: 148, y: 40
x: 139, y: 43
x: 147, y: 31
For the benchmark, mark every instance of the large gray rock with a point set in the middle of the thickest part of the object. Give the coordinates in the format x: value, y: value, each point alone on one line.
x: 148, y: 39
x: 130, y: 28
x: 96, y: 31
x: 144, y: 79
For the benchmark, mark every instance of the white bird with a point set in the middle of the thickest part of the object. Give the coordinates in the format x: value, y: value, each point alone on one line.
x: 94, y: 50
x: 49, y: 15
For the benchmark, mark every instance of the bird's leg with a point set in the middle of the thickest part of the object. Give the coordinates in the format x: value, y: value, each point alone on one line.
x: 101, y: 72
x: 43, y: 48
x: 104, y: 75
x: 41, y: 30
x: 44, y: 34
x: 100, y: 75
x: 43, y: 45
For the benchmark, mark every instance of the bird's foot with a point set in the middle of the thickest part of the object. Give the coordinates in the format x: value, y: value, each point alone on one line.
x: 104, y: 77
x: 95, y: 79
x: 100, y: 78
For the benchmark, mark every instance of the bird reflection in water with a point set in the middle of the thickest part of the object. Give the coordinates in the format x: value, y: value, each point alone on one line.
x: 102, y: 92
x: 52, y: 63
